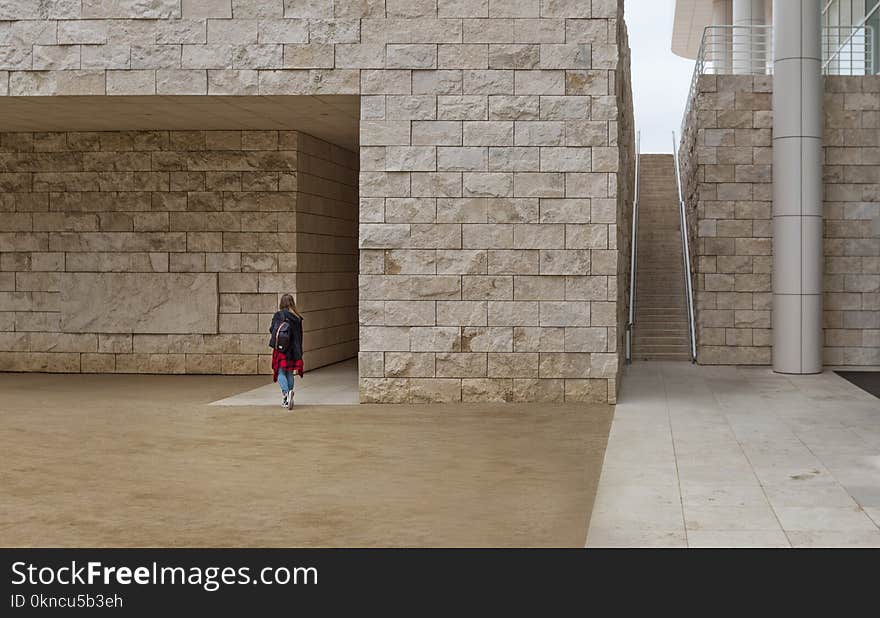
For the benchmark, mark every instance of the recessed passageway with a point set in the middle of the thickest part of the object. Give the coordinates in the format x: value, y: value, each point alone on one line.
x: 332, y: 385
x: 723, y: 456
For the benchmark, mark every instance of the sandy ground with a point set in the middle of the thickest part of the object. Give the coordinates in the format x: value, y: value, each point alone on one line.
x: 144, y: 461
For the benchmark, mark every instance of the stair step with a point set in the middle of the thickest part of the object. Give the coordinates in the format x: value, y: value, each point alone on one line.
x: 661, y: 330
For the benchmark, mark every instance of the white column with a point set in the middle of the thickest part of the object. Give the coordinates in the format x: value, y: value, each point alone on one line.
x: 749, y: 47
x: 721, y: 39
x: 797, y: 187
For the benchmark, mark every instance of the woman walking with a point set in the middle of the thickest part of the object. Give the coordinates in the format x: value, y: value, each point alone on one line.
x: 285, y: 339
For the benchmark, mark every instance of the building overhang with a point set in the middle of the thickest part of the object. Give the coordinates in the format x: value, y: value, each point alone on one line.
x: 691, y: 18
x: 333, y: 118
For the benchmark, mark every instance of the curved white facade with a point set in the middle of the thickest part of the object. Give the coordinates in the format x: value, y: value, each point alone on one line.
x: 693, y: 16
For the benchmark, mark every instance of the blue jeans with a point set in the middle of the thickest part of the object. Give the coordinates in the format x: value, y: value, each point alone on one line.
x: 285, y: 381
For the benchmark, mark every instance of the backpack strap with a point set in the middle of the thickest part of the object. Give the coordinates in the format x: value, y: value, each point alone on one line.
x: 278, y: 331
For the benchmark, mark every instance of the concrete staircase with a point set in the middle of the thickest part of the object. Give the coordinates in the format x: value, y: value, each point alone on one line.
x: 661, y: 327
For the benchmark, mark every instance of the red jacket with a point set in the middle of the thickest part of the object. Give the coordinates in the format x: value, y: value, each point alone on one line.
x: 280, y: 362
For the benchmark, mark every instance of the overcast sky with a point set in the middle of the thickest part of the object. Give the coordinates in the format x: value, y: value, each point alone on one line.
x: 661, y: 80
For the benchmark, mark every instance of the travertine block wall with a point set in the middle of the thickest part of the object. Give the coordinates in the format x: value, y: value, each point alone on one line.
x: 327, y: 250
x: 852, y: 221
x: 489, y: 159
x: 489, y: 175
x: 166, y: 251
x: 625, y: 141
x: 731, y: 195
x: 729, y: 186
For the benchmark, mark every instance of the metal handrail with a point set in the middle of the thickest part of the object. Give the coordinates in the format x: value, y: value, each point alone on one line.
x: 633, y: 255
x: 854, y: 56
x: 862, y: 25
x: 718, y: 55
x: 686, y: 251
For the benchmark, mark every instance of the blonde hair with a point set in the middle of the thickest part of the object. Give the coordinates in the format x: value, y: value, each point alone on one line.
x: 288, y: 302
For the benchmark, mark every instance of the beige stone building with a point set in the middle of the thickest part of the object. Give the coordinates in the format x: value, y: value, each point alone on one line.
x: 444, y: 185
x: 755, y: 139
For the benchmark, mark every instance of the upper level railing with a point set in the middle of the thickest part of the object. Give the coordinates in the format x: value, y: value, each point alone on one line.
x: 848, y: 50
x: 725, y: 50
x: 748, y: 50
x: 836, y: 13
x: 738, y: 50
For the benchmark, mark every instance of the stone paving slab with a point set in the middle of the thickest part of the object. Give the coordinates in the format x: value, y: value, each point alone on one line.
x: 739, y: 457
x: 332, y: 385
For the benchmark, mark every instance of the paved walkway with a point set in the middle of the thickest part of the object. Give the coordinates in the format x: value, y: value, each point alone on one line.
x: 333, y: 385
x: 722, y: 456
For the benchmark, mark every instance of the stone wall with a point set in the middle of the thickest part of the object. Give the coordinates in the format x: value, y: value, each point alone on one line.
x: 489, y: 158
x: 852, y: 221
x: 622, y: 238
x: 729, y: 189
x: 488, y: 209
x: 162, y: 251
x: 326, y: 250
x: 730, y: 199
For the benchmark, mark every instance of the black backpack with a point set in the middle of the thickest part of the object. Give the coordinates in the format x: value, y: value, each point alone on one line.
x: 283, y: 335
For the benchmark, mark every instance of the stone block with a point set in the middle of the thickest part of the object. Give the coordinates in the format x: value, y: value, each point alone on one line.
x: 98, y: 363
x: 492, y: 339
x: 433, y: 390
x: 486, y: 390
x: 460, y: 365
x: 564, y: 365
x: 586, y: 391
x: 206, y: 8
x: 469, y: 56
x: 409, y: 365
x: 564, y: 313
x: 461, y: 159
x: 505, y: 107
x: 69, y: 82
x: 172, y: 303
x: 131, y: 9
x: 539, y: 133
x: 214, y: 56
x: 106, y: 57
x: 464, y: 262
x: 515, y: 365
x: 461, y: 313
x: 538, y: 391
x: 180, y: 82
x: 487, y: 288
x: 56, y: 57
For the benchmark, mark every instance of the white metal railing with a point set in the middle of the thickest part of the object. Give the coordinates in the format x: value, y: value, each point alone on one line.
x: 718, y: 56
x: 833, y: 17
x: 848, y: 50
x: 633, y: 255
x: 748, y: 50
x: 738, y: 50
x: 686, y: 255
